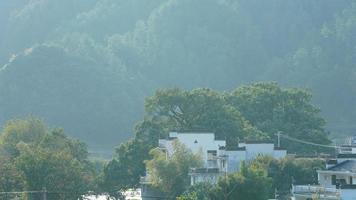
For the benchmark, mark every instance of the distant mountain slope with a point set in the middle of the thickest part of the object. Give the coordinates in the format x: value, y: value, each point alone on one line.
x: 90, y: 102
x: 87, y: 65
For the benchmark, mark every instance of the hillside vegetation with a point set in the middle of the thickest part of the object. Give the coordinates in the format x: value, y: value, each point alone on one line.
x: 87, y: 65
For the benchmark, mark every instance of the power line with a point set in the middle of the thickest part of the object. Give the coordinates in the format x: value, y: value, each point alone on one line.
x: 309, y: 143
x: 22, y: 192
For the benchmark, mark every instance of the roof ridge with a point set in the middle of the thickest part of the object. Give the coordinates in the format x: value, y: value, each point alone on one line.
x: 337, y: 165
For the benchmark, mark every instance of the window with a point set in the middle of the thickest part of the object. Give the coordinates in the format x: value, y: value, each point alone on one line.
x: 333, y: 180
x: 212, y: 154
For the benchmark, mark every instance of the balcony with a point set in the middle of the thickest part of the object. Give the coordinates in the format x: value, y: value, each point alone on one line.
x: 315, y: 191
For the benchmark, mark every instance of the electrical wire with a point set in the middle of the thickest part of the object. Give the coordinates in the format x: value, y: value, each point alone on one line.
x: 309, y: 143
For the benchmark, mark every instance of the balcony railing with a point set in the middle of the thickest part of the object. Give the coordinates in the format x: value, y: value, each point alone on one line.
x: 312, y: 190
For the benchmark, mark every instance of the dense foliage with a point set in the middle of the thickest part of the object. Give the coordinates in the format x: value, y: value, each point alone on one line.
x: 263, y: 178
x: 248, y: 183
x: 252, y: 112
x: 91, y: 62
x: 170, y: 174
x: 34, y: 157
x: 288, y: 171
x: 199, y: 191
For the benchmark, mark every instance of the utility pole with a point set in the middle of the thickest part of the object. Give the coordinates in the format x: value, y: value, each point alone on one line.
x: 225, y: 193
x: 44, y: 192
x: 279, y: 139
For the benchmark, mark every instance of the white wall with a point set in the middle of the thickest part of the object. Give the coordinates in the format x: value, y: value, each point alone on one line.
x: 278, y: 154
x: 197, y: 142
x: 348, y: 194
x: 202, y: 142
x: 234, y: 160
x: 253, y: 150
x: 325, y: 180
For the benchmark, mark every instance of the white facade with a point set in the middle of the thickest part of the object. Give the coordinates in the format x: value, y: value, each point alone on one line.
x: 197, y: 142
x: 234, y: 159
x: 217, y: 159
x: 254, y: 149
x: 132, y: 194
x: 348, y: 194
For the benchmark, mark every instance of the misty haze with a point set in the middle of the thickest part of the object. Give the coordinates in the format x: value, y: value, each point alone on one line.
x: 178, y: 99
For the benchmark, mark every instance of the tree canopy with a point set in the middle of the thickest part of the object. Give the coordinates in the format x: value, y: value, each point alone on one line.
x: 288, y: 171
x: 257, y: 111
x: 34, y: 157
x: 251, y: 112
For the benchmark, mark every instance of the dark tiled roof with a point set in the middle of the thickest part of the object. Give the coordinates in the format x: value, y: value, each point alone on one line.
x: 331, y: 162
x: 258, y: 142
x: 235, y: 148
x: 192, y: 131
x: 349, y: 155
x: 348, y: 165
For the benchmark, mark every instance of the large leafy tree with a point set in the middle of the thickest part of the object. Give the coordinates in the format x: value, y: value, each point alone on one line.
x: 29, y: 130
x: 38, y: 157
x: 199, y: 109
x: 272, y: 109
x: 60, y: 173
x: 167, y: 110
x: 256, y: 111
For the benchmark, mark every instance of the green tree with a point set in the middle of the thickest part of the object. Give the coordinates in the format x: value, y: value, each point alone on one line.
x: 63, y: 175
x: 248, y: 183
x: 199, y: 191
x: 170, y: 173
x: 288, y: 171
x: 199, y: 109
x: 28, y: 130
x: 36, y: 157
x: 271, y: 109
x: 268, y: 108
x: 11, y: 179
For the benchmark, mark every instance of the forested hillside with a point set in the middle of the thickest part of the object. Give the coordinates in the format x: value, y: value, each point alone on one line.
x: 87, y: 65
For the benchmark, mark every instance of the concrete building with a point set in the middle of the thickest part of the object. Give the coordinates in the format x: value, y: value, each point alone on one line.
x: 218, y: 160
x: 132, y: 194
x: 337, y: 182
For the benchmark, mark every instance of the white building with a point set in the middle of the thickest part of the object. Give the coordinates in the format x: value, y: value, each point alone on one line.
x: 337, y: 182
x: 132, y: 194
x: 218, y: 159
